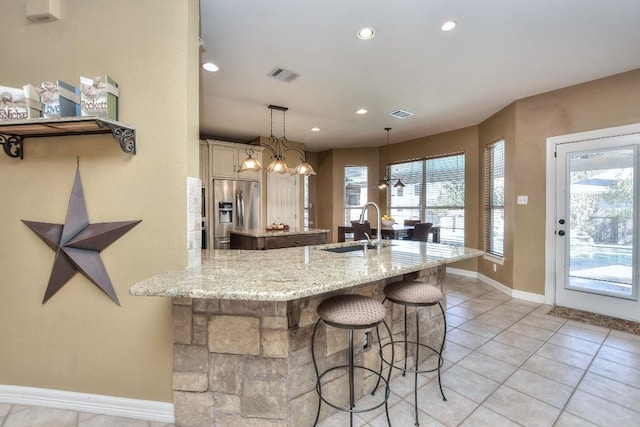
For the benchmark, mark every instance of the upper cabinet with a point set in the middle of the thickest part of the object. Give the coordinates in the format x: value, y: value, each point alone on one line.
x: 225, y: 159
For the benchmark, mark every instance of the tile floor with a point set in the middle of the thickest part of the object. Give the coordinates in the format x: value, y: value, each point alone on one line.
x: 507, y: 363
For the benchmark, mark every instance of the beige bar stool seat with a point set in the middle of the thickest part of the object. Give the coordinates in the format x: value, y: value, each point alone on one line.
x: 416, y: 294
x: 351, y: 312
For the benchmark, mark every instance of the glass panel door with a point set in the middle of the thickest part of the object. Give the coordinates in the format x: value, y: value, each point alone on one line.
x: 596, y: 233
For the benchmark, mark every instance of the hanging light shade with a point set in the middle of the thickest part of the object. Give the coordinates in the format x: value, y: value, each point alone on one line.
x: 304, y: 168
x: 250, y: 163
x: 383, y: 183
x: 278, y: 165
x: 399, y: 184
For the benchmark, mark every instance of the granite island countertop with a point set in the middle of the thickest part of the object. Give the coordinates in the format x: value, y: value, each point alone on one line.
x: 271, y: 233
x: 293, y: 273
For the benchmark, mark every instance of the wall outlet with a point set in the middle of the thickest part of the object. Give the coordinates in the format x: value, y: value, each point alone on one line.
x: 367, y: 340
x: 495, y: 268
x: 523, y: 200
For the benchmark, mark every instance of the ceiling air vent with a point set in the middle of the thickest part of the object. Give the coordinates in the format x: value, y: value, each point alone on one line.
x: 284, y: 75
x: 401, y: 114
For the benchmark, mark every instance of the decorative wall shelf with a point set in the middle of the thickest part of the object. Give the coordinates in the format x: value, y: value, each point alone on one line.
x: 14, y: 132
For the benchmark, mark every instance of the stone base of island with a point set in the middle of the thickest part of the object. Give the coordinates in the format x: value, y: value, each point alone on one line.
x: 243, y: 322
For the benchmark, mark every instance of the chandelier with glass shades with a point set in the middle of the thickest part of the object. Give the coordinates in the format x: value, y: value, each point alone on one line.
x: 278, y: 146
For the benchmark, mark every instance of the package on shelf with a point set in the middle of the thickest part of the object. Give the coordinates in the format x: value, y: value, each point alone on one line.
x: 99, y: 97
x: 59, y: 99
x: 18, y: 104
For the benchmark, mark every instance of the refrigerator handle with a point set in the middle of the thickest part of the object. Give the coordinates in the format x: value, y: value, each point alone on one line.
x: 240, y: 209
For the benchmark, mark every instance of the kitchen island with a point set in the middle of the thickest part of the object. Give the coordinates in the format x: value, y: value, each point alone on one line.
x: 243, y: 322
x: 277, y: 239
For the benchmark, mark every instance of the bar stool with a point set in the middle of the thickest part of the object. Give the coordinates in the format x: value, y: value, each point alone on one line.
x: 351, y: 312
x: 415, y: 294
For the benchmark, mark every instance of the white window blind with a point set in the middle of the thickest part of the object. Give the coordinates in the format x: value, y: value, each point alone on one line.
x: 494, y: 199
x: 433, y: 192
x: 355, y: 192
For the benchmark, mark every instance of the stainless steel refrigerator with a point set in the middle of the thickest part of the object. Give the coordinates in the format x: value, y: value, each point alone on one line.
x: 237, y: 205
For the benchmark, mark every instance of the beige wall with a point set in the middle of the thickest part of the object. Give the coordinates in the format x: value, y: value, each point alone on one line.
x: 324, y: 193
x: 603, y: 103
x: 80, y: 340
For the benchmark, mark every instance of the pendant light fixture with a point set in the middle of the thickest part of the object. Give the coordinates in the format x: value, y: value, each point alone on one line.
x: 278, y: 146
x: 398, y: 184
x: 385, y: 182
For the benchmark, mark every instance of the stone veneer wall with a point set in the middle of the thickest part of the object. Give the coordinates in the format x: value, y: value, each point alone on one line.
x: 248, y: 363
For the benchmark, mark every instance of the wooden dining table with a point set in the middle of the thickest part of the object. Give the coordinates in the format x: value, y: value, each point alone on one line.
x: 397, y: 231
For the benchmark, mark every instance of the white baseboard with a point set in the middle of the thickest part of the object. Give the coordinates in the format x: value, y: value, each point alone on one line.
x: 461, y: 272
x: 93, y: 403
x: 527, y: 296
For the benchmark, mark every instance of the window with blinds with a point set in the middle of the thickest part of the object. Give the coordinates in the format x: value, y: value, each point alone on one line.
x: 494, y: 198
x: 433, y: 192
x: 355, y: 192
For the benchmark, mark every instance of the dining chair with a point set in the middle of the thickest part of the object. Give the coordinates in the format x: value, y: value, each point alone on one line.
x: 360, y: 229
x: 421, y: 231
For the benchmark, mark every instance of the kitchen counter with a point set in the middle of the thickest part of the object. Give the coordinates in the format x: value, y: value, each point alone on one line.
x: 242, y: 325
x: 276, y: 239
x: 293, y: 273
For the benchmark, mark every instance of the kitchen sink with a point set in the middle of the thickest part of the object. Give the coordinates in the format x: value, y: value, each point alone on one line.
x: 351, y: 248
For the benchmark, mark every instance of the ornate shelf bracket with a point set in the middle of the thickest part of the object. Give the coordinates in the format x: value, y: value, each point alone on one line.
x: 126, y: 136
x: 12, y: 145
x: 14, y: 132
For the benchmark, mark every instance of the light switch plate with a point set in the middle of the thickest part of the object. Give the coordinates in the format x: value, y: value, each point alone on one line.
x: 523, y: 200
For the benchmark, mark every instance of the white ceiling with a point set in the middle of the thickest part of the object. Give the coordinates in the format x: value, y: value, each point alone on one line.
x: 501, y: 50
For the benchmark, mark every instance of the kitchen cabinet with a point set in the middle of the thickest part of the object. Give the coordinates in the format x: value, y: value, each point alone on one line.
x: 225, y: 159
x: 277, y: 239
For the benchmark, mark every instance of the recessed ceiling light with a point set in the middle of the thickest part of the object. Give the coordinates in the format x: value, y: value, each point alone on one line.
x: 315, y: 129
x: 210, y: 66
x: 366, y: 33
x: 361, y: 111
x: 448, y: 26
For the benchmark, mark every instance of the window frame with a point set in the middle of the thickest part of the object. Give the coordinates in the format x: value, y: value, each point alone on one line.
x: 494, y: 232
x: 347, y: 208
x: 422, y: 210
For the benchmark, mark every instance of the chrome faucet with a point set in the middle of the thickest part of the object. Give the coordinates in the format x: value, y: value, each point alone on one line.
x: 378, y: 242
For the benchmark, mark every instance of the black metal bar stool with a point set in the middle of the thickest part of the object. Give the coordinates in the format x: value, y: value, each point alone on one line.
x: 351, y: 312
x: 415, y: 294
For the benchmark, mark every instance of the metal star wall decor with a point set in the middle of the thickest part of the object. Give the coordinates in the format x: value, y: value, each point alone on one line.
x: 78, y: 244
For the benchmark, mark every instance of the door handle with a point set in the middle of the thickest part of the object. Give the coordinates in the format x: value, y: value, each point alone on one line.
x: 561, y: 233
